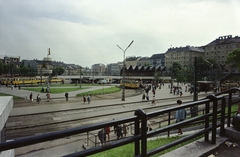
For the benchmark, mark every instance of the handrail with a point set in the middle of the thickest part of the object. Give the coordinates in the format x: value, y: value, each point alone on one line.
x: 140, y: 131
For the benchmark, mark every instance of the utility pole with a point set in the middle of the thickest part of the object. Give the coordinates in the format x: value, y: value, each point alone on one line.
x: 194, y: 109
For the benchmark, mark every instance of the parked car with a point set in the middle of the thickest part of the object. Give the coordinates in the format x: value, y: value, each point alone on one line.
x: 102, y: 82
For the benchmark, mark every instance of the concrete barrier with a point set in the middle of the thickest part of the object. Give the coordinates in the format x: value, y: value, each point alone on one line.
x: 6, y: 105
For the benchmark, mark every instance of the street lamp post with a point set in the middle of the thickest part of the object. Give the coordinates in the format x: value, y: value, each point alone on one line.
x: 194, y: 109
x: 171, y: 86
x: 123, y: 79
x: 80, y: 79
x: 155, y: 79
x: 211, y: 67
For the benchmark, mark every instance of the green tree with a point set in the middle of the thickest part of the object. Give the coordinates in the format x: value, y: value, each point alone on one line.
x: 202, y: 65
x: 24, y: 71
x: 178, y: 72
x: 58, y: 71
x: 233, y: 58
x: 1, y: 69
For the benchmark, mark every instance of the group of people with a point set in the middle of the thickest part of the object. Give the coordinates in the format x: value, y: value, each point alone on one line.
x: 177, y: 90
x: 146, y: 90
x: 38, y: 99
x: 87, y: 99
x: 120, y: 130
x: 47, y: 90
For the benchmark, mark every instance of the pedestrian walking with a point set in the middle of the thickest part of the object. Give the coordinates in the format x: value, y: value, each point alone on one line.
x: 180, y: 115
x: 31, y: 97
x: 102, y: 136
x: 125, y: 129
x: 143, y: 97
x: 119, y: 131
x: 89, y: 99
x: 38, y: 98
x: 153, y: 100
x: 147, y: 97
x: 84, y: 99
x: 48, y: 96
x: 107, y: 131
x: 180, y: 91
x: 66, y: 96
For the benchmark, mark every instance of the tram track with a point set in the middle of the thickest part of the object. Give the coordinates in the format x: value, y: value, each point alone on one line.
x: 25, y: 125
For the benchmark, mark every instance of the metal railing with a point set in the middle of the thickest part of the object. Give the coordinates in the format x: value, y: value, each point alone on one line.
x: 139, y: 139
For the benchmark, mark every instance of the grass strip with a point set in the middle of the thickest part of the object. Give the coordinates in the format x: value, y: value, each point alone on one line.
x: 102, y: 91
x: 14, y: 97
x: 128, y: 150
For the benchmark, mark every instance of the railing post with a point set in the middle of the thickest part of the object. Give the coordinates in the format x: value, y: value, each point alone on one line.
x: 95, y: 141
x: 88, y: 138
x: 169, y: 121
x: 222, y: 130
x: 229, y: 109
x: 141, y: 116
x: 214, y: 117
x: 207, y: 121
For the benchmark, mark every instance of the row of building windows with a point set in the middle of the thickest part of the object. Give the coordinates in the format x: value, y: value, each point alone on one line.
x: 222, y: 47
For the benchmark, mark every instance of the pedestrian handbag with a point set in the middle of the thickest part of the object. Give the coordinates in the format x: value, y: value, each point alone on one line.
x: 236, y: 121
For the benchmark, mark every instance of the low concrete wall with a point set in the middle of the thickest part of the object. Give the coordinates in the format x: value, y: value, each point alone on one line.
x: 6, y: 105
x: 231, y: 132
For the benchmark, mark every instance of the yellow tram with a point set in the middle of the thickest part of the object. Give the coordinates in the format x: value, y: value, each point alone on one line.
x: 29, y: 80
x: 134, y: 84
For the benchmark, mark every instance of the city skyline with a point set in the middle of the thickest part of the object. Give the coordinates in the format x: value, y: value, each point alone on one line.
x: 88, y: 32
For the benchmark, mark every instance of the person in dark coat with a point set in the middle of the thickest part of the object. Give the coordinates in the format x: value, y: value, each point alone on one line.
x: 102, y: 136
x: 66, y: 96
x: 119, y: 131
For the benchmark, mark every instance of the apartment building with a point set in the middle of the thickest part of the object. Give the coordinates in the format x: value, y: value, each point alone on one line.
x: 219, y: 48
x: 132, y: 61
x: 113, y: 69
x: 98, y: 69
x: 157, y: 60
x: 183, y: 55
x: 143, y: 61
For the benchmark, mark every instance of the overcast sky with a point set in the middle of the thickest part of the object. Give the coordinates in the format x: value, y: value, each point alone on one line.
x: 86, y: 32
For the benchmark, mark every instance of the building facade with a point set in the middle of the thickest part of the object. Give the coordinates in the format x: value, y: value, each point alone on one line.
x: 114, y: 69
x: 182, y: 55
x: 132, y: 61
x: 98, y: 69
x: 219, y: 48
x: 143, y: 61
x: 157, y: 60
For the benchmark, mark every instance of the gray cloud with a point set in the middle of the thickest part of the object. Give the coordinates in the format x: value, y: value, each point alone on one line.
x: 86, y: 32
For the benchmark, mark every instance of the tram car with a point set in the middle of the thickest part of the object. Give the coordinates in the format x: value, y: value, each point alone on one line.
x: 133, y: 84
x: 29, y: 80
